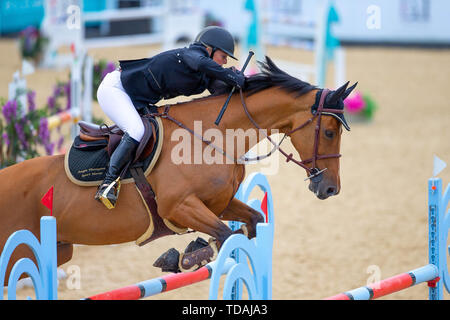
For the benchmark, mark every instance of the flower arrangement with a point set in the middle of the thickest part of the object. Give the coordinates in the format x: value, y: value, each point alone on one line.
x: 212, y: 20
x: 61, y: 93
x: 360, y: 106
x: 32, y: 43
x: 19, y: 130
x: 24, y: 132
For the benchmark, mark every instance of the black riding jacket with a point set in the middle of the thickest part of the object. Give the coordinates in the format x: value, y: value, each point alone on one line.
x: 184, y: 71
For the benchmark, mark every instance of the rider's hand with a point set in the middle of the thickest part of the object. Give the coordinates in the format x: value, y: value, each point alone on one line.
x: 240, y: 80
x: 240, y: 77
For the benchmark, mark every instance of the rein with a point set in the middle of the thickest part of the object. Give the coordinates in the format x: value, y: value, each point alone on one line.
x: 314, y: 172
x: 166, y: 115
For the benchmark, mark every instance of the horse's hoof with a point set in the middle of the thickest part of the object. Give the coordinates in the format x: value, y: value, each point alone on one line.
x: 195, y: 245
x: 168, y: 261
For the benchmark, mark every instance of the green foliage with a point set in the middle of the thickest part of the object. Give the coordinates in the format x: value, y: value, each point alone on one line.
x: 370, y: 108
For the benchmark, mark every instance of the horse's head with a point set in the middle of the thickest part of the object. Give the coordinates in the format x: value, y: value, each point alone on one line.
x: 316, y: 135
x: 312, y: 117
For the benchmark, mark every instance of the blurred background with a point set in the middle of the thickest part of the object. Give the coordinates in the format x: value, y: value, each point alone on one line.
x: 54, y: 53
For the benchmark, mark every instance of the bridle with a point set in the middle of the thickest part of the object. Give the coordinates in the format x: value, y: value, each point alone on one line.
x: 315, y: 174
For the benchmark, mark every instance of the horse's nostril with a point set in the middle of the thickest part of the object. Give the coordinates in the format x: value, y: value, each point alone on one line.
x: 331, y: 191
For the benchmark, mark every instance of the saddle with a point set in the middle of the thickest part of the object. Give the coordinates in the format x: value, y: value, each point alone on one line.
x: 90, y: 132
x: 87, y: 161
x: 88, y: 158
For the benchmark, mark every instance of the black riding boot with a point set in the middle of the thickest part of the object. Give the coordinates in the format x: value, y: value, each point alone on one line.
x: 108, y: 191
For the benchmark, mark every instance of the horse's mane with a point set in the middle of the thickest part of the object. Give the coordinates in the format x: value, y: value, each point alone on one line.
x: 271, y: 76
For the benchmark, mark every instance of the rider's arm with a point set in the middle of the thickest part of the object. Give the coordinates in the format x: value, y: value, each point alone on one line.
x: 213, y: 70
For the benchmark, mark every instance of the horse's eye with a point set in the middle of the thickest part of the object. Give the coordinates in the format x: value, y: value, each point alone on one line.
x: 329, y: 134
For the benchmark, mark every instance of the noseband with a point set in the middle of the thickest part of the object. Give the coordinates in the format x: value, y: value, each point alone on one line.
x: 315, y: 174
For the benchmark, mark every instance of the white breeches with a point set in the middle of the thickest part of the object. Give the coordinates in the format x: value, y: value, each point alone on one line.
x: 118, y: 106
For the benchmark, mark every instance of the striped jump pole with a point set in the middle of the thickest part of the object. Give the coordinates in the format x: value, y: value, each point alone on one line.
x: 436, y: 272
x: 58, y: 119
x: 162, y: 284
x: 428, y: 273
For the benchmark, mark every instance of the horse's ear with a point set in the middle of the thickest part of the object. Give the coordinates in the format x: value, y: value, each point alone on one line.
x: 334, y: 96
x: 349, y: 90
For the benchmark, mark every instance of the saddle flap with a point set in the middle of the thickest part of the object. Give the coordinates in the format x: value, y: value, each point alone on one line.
x: 84, y: 145
x: 148, y: 140
x: 114, y: 140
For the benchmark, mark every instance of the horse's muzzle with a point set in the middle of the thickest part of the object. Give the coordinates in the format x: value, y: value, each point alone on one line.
x: 323, y: 187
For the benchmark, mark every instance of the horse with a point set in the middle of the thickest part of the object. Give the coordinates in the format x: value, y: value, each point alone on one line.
x: 196, y: 196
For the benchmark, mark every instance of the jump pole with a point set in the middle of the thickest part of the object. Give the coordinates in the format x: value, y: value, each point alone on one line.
x: 162, y: 284
x: 58, y: 119
x: 436, y: 272
x: 428, y: 273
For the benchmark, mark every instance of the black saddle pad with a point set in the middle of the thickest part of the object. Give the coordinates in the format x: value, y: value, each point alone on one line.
x: 87, y: 161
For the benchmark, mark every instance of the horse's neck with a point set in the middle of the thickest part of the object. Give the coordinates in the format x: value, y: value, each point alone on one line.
x: 271, y: 109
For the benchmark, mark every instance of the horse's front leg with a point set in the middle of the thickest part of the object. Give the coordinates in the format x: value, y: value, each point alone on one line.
x: 194, y: 214
x: 239, y: 211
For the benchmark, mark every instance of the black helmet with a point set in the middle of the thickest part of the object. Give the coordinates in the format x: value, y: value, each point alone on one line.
x: 217, y: 38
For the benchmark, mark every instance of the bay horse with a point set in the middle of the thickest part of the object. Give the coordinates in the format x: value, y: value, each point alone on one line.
x: 194, y: 196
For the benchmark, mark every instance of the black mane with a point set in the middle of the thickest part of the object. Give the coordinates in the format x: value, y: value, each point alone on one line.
x: 272, y: 76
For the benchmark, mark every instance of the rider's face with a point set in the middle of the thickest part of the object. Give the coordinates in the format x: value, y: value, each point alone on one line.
x: 220, y: 57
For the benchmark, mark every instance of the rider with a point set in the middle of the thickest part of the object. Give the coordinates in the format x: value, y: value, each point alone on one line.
x: 127, y: 92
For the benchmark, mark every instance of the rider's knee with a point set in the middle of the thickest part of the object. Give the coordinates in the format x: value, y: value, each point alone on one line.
x: 137, y: 131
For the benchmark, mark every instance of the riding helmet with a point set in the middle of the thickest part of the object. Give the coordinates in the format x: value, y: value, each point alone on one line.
x: 217, y: 38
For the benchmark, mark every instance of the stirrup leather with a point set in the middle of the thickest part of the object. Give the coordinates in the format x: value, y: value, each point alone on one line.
x: 103, y: 197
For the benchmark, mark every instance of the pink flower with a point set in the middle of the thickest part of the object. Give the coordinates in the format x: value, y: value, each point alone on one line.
x: 354, y: 103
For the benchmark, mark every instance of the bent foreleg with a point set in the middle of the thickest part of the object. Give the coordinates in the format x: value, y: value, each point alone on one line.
x: 194, y: 214
x: 239, y: 211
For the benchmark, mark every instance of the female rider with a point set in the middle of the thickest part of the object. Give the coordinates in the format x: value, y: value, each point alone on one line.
x: 127, y: 92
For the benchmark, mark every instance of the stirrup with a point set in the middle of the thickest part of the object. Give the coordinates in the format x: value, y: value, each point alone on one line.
x: 110, y: 203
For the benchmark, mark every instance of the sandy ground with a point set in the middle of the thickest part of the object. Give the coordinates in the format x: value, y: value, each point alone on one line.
x: 321, y: 248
